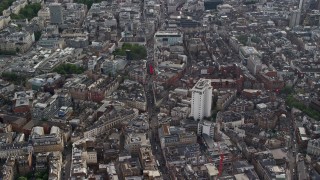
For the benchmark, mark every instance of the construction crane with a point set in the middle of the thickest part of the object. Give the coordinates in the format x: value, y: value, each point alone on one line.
x: 221, y: 160
x: 220, y: 168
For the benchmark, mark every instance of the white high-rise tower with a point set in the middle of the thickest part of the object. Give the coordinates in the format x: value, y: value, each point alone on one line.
x: 201, y: 99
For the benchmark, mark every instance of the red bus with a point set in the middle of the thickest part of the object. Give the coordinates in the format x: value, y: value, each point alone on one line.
x: 151, y: 71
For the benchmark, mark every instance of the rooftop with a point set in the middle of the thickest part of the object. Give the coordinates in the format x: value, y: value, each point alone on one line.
x: 202, y: 83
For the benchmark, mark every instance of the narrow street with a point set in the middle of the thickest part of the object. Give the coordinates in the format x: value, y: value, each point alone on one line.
x: 66, y: 165
x: 292, y: 152
x: 153, y: 132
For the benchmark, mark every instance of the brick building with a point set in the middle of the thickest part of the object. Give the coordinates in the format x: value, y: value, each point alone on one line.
x: 271, y: 80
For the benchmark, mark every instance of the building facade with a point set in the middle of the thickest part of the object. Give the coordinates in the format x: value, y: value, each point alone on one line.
x: 201, y: 99
x: 314, y: 147
x: 46, y: 142
x: 169, y: 38
x: 56, y: 13
x: 294, y: 18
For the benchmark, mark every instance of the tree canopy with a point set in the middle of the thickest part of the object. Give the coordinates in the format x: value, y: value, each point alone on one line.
x: 41, y: 175
x: 291, y: 101
x: 255, y: 39
x: 28, y: 12
x: 248, y: 2
x: 68, y: 69
x: 287, y: 90
x: 4, y: 4
x: 243, y: 39
x: 37, y: 35
x: 8, y: 52
x: 137, y: 51
x: 13, y: 77
x: 22, y: 178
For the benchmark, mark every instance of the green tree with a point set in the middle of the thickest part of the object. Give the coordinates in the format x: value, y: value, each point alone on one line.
x: 136, y: 51
x: 19, y: 27
x: 28, y: 12
x: 22, y: 178
x: 255, y: 39
x: 29, y: 175
x: 250, y: 2
x: 14, y: 78
x: 214, y: 115
x: 287, y: 90
x: 243, y: 39
x: 37, y: 35
x: 291, y: 101
x: 8, y: 52
x: 45, y: 176
x: 4, y: 4
x: 38, y: 174
x: 68, y: 69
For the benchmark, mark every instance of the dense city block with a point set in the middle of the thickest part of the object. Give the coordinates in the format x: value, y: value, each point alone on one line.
x: 159, y: 89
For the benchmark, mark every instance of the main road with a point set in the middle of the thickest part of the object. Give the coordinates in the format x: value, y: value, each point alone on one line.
x: 149, y: 90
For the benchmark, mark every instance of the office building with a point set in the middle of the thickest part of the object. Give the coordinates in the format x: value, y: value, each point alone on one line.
x: 313, y: 147
x: 168, y: 38
x: 254, y: 64
x: 56, y: 13
x: 206, y: 127
x: 171, y: 136
x: 201, y: 99
x: 46, y: 142
x: 24, y: 164
x: 246, y: 51
x: 134, y: 141
x: 294, y: 18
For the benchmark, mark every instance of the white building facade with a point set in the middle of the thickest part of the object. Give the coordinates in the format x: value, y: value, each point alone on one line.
x: 254, y: 64
x: 201, y: 99
x: 168, y: 38
x: 206, y: 127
